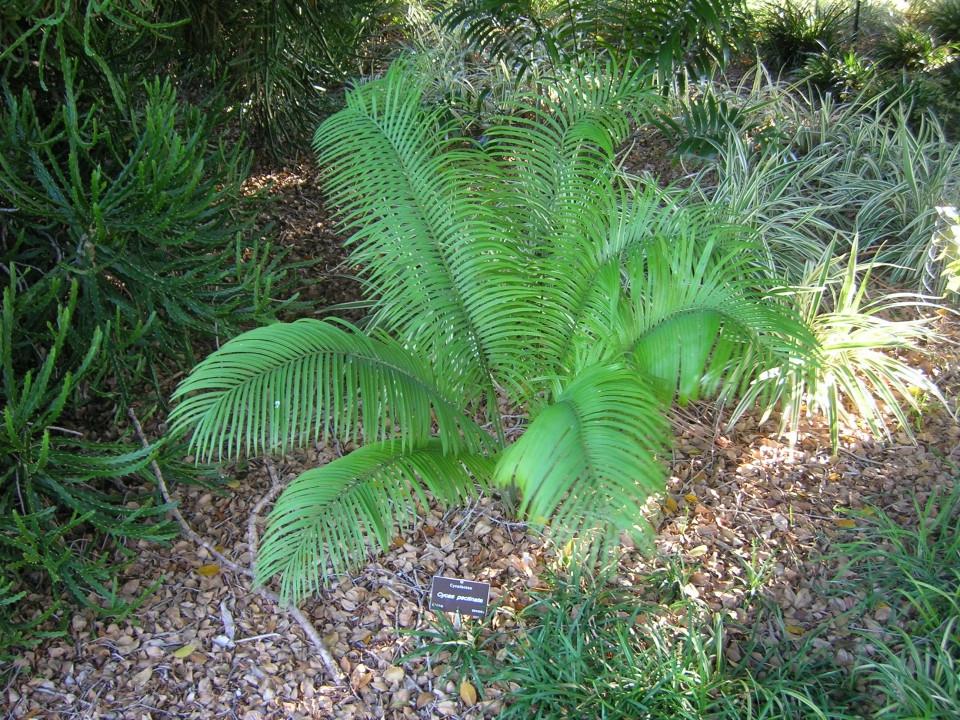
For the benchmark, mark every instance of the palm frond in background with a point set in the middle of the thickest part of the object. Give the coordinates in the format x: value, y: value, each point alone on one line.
x: 669, y: 34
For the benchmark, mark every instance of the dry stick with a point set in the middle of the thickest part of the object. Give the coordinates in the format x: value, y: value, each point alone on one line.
x: 295, y: 612
x: 305, y: 624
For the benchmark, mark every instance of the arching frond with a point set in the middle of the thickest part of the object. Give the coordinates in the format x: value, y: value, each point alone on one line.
x: 330, y: 517
x: 690, y: 316
x: 589, y: 460
x: 507, y: 29
x: 557, y: 156
x: 589, y: 285
x: 580, y: 116
x: 669, y: 31
x: 285, y: 384
x: 444, y: 275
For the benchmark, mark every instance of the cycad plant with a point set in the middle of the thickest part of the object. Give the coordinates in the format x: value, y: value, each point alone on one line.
x: 517, y: 277
x: 670, y: 33
x: 792, y: 31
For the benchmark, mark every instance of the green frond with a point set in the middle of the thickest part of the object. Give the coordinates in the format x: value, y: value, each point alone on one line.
x: 692, y: 317
x: 589, y: 460
x: 556, y: 151
x: 507, y: 29
x: 569, y: 128
x: 524, y: 33
x: 286, y: 384
x: 328, y: 519
x: 444, y: 275
x: 588, y: 270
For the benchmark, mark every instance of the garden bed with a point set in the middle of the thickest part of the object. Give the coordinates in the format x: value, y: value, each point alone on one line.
x: 749, y: 524
x: 623, y: 256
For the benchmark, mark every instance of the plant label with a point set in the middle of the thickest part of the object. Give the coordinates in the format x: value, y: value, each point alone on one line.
x: 459, y: 596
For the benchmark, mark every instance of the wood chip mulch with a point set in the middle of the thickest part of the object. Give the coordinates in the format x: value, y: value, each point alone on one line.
x: 296, y: 218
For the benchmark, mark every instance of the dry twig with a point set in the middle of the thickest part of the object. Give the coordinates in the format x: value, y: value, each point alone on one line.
x: 328, y: 661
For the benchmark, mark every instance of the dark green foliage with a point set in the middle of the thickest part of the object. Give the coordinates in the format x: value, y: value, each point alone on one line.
x: 915, y: 568
x: 16, y: 631
x: 55, y: 486
x: 907, y: 47
x: 275, y: 61
x: 584, y: 648
x: 925, y: 97
x: 794, y: 30
x: 588, y: 649
x: 104, y: 38
x: 587, y: 654
x: 921, y: 73
x: 668, y: 33
x: 139, y: 207
x: 272, y: 62
x: 706, y: 121
x: 943, y: 17
x: 847, y: 76
x: 126, y: 238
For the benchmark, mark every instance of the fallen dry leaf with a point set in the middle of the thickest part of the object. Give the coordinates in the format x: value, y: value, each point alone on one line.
x: 183, y: 652
x: 882, y: 613
x: 393, y: 674
x: 468, y: 693
x: 143, y: 677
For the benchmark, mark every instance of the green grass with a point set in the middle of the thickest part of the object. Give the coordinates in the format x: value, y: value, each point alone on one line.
x: 916, y: 571
x: 586, y: 647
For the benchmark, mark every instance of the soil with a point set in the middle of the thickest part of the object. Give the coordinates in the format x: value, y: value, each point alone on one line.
x: 204, y: 645
x: 296, y: 215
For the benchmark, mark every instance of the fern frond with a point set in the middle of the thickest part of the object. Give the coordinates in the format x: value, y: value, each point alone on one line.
x: 556, y: 151
x: 589, y: 460
x: 590, y: 282
x: 580, y: 113
x: 330, y: 517
x: 285, y: 384
x: 507, y: 29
